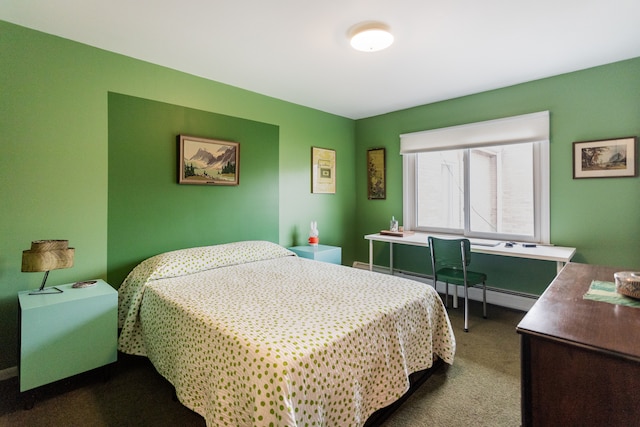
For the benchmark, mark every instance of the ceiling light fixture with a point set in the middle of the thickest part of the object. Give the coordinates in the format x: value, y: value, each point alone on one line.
x: 370, y: 37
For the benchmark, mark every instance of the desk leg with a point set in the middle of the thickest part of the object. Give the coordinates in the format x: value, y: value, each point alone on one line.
x: 455, y: 296
x: 391, y: 258
x: 559, y: 266
x: 370, y: 255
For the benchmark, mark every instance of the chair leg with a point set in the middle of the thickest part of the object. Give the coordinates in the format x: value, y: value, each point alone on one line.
x: 466, y: 308
x: 484, y: 299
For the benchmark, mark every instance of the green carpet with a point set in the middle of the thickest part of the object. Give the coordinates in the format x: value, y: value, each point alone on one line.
x: 482, y: 387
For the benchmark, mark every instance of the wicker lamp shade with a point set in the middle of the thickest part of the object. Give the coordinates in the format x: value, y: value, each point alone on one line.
x: 46, y: 255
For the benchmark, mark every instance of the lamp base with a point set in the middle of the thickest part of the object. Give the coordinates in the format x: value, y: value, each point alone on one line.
x: 47, y: 291
x: 43, y: 291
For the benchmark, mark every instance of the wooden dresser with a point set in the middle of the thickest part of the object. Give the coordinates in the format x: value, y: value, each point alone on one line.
x: 580, y: 358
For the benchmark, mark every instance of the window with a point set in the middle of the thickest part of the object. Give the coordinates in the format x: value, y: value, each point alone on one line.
x: 493, y: 188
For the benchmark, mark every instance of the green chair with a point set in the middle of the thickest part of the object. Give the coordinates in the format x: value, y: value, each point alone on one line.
x: 449, y: 260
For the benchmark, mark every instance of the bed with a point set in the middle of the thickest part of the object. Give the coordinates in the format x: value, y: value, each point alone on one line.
x: 250, y: 334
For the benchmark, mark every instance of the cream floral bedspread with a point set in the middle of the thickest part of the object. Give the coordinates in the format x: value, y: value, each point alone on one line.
x: 251, y: 335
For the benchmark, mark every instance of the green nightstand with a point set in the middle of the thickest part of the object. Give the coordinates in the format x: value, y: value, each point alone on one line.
x: 66, y: 334
x: 332, y: 254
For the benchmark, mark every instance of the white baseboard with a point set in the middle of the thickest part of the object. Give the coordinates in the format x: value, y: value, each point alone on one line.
x: 11, y: 372
x: 500, y: 297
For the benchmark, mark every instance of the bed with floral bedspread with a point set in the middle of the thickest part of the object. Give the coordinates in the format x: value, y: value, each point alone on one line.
x: 250, y: 334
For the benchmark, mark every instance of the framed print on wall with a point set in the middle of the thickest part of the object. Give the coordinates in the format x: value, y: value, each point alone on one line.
x: 376, y: 174
x: 206, y: 161
x: 323, y: 170
x: 606, y: 158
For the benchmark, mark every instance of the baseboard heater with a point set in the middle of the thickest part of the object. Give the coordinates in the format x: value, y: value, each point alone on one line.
x: 497, y: 296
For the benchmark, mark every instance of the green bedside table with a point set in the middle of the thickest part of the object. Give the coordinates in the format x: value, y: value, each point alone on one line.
x: 332, y: 254
x: 66, y: 334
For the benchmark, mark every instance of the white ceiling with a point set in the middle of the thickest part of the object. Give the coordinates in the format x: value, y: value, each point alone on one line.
x: 297, y: 50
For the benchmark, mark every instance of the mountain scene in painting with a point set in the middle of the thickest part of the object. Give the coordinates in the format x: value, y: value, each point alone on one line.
x: 215, y: 164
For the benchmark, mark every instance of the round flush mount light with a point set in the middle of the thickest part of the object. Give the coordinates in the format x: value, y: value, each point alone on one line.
x: 370, y: 37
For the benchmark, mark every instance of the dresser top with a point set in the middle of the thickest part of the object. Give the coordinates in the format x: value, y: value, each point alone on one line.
x: 562, y: 314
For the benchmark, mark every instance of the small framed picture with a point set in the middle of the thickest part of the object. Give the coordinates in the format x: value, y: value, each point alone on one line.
x: 606, y: 158
x: 323, y: 170
x: 376, y: 174
x: 205, y: 161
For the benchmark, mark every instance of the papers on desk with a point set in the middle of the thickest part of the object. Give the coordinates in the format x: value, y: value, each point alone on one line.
x: 484, y: 242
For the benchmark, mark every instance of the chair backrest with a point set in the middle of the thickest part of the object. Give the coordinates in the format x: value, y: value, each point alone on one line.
x: 452, y: 253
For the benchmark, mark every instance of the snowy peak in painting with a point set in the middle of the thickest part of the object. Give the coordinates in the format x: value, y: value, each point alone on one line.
x: 204, y: 157
x: 207, y: 160
x: 228, y: 157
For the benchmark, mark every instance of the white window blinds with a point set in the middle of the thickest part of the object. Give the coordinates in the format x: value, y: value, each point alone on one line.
x: 532, y: 127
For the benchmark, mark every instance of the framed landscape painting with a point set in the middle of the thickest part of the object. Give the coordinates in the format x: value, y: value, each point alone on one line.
x: 607, y: 158
x: 204, y: 161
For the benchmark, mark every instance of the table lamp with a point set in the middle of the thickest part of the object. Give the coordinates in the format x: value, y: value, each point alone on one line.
x: 47, y: 255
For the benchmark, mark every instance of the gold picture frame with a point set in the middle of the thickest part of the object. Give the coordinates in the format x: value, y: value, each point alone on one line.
x: 376, y: 174
x: 323, y: 170
x: 204, y: 161
x: 605, y: 158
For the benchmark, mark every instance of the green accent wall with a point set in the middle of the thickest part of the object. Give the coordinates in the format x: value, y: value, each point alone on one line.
x: 600, y: 217
x: 56, y: 182
x: 150, y: 213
